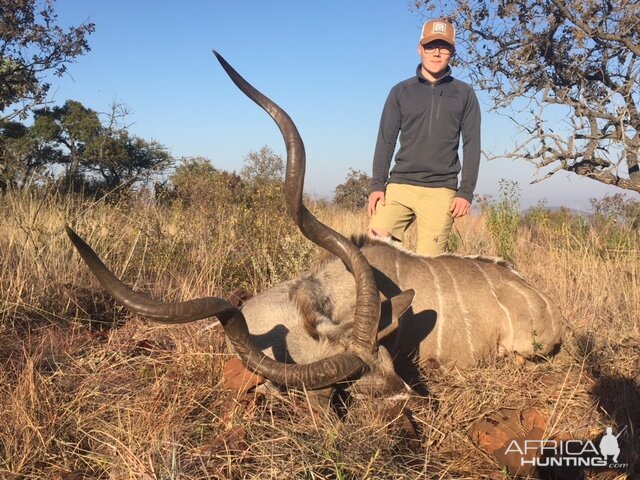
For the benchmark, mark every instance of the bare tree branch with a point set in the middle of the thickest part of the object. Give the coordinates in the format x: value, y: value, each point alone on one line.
x: 576, y: 64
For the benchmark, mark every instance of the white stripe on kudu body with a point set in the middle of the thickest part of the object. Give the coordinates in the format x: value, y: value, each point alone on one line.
x: 441, y: 311
x: 507, y: 314
x: 460, y: 300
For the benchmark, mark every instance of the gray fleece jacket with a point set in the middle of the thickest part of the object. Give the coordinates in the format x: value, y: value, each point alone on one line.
x: 429, y: 118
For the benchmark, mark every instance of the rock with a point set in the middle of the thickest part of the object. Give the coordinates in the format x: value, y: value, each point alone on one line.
x: 237, y: 378
x: 497, y: 431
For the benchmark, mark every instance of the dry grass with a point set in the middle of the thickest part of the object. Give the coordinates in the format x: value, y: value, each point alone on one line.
x: 90, y: 390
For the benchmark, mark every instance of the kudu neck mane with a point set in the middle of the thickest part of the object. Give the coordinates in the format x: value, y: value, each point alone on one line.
x: 363, y: 241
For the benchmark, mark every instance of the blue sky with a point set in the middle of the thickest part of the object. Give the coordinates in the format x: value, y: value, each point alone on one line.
x: 329, y: 64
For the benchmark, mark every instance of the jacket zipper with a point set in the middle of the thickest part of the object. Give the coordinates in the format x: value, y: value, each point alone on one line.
x: 433, y: 99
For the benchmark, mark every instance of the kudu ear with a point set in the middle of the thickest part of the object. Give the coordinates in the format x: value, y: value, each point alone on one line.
x: 391, y: 310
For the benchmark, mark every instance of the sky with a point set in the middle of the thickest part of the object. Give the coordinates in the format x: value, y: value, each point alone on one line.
x: 330, y: 65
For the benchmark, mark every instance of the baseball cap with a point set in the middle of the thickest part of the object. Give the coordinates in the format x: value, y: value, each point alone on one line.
x: 438, y: 30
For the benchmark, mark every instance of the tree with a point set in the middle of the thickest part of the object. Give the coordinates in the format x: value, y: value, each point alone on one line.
x: 119, y: 159
x: 31, y: 47
x: 22, y: 155
x: 354, y: 192
x: 72, y: 126
x: 568, y: 73
x: 262, y: 167
x: 96, y: 150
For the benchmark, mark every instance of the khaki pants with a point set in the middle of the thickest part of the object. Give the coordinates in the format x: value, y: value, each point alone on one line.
x: 429, y: 207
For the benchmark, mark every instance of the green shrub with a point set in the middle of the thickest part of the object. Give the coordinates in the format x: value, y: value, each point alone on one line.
x: 503, y: 217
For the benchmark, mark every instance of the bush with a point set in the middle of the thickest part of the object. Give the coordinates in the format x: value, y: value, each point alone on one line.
x: 503, y: 218
x: 196, y: 183
x: 617, y: 208
x: 354, y: 192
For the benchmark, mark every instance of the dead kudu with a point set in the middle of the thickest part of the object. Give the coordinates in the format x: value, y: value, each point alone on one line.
x: 326, y: 327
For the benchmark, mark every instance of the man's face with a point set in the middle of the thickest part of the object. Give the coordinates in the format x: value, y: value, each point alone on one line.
x: 435, y: 56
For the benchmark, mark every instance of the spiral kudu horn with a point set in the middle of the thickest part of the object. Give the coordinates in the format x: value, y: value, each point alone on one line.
x: 367, y: 312
x: 319, y: 374
x: 314, y: 375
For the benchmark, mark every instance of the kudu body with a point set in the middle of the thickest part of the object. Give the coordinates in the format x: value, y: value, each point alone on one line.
x: 465, y: 309
x: 323, y: 328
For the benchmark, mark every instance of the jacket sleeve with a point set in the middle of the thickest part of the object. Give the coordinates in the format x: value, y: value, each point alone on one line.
x: 386, y: 144
x: 470, y: 147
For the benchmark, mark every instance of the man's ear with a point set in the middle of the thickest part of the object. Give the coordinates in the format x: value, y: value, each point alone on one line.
x: 391, y: 310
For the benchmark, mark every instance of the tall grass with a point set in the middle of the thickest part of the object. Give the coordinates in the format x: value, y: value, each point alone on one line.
x: 502, y: 218
x: 89, y: 389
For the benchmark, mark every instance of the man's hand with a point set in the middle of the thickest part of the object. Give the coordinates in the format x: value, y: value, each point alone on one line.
x: 374, y: 198
x: 459, y: 207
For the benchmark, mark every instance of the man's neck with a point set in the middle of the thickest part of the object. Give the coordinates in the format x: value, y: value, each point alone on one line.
x: 434, y: 78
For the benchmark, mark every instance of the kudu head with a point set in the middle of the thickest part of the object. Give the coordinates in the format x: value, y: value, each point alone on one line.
x: 362, y: 362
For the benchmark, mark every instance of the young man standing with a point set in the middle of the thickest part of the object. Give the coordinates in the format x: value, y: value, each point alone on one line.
x: 430, y: 112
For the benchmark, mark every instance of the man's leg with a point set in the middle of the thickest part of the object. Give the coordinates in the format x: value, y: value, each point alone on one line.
x: 434, y: 220
x: 391, y: 219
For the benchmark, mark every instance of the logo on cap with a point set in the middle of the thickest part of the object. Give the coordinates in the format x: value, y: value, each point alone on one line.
x: 440, y: 27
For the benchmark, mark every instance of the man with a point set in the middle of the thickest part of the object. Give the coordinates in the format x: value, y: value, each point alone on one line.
x: 430, y: 112
x: 609, y: 445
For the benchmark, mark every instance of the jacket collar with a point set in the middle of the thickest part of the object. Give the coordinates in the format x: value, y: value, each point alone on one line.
x: 445, y: 78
